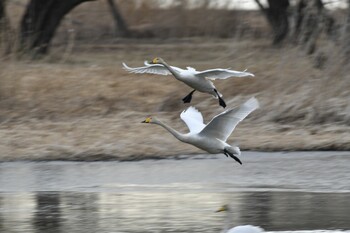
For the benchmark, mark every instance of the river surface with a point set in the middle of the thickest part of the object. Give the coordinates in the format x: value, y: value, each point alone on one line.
x: 301, y: 191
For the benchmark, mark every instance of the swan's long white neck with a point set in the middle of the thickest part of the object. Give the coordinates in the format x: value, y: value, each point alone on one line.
x: 169, y: 68
x: 176, y: 134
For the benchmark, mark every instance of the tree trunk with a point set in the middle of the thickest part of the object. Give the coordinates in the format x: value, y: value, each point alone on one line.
x: 2, y: 9
x: 2, y: 22
x: 346, y: 40
x: 299, y: 18
x: 5, y: 32
x: 311, y: 22
x: 121, y: 27
x: 277, y: 16
x: 40, y: 21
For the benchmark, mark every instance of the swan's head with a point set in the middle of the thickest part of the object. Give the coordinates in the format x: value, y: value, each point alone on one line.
x: 223, y: 208
x: 147, y: 120
x: 157, y: 60
x: 151, y: 120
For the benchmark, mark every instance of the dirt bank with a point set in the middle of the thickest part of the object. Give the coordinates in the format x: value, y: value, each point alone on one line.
x: 87, y: 108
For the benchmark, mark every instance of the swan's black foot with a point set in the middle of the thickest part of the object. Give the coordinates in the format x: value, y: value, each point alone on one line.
x: 188, y: 97
x: 232, y: 156
x: 221, y: 100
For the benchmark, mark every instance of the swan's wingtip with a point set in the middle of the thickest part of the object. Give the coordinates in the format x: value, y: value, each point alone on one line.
x: 248, y: 73
x: 253, y: 101
x: 192, y: 108
x: 125, y: 67
x: 147, y: 63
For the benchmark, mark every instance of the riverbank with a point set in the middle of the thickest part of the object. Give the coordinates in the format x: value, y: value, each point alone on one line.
x: 122, y: 137
x: 87, y: 107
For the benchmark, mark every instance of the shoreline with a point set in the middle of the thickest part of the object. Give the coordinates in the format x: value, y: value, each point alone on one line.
x: 89, y: 108
x: 111, y: 138
x: 108, y: 139
x: 112, y: 158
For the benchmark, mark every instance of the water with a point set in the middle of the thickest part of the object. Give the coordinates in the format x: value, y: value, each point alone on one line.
x: 277, y: 191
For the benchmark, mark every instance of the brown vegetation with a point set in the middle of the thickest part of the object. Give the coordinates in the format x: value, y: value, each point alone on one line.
x: 89, y: 108
x: 78, y: 103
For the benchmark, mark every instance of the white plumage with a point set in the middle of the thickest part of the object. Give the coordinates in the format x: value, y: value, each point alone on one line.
x: 193, y: 119
x: 198, y: 80
x: 245, y: 229
x: 238, y: 229
x: 213, y: 136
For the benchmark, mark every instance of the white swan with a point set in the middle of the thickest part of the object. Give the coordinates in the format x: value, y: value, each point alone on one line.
x: 237, y: 229
x: 198, y: 80
x: 211, y: 137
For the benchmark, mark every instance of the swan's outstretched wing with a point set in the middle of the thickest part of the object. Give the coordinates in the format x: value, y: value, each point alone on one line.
x: 222, y: 74
x: 222, y: 125
x: 193, y: 119
x: 148, y: 69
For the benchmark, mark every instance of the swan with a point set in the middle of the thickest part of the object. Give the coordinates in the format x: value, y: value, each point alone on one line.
x: 237, y: 229
x: 211, y: 137
x: 198, y: 80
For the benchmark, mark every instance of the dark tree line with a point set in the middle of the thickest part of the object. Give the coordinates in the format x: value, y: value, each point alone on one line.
x: 310, y: 20
x: 4, y: 28
x: 277, y: 16
x: 41, y: 20
x: 121, y: 27
x: 38, y: 25
x: 346, y: 41
x: 2, y: 9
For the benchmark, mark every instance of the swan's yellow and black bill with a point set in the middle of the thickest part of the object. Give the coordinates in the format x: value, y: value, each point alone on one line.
x: 222, y: 208
x: 155, y: 60
x: 148, y: 120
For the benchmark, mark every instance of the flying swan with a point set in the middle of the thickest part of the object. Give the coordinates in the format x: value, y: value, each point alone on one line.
x: 237, y: 229
x: 211, y: 137
x: 198, y: 80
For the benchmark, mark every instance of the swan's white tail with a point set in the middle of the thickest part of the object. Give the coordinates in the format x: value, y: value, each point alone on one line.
x: 234, y: 150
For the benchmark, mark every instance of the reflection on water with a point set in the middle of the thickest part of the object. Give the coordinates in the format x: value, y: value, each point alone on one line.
x: 277, y: 191
x: 169, y: 211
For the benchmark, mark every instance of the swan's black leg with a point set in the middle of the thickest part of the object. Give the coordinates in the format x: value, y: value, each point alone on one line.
x: 232, y: 156
x: 221, y: 101
x: 188, y: 97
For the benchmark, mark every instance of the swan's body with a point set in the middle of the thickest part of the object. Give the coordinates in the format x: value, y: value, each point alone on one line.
x: 213, y: 136
x: 198, y: 80
x: 237, y: 229
x: 245, y: 229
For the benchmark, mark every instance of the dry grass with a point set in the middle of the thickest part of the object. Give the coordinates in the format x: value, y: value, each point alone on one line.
x: 89, y: 108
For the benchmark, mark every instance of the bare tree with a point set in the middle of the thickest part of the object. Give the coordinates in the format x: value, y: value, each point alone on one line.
x: 2, y: 22
x: 277, y: 16
x: 5, y: 32
x: 346, y: 40
x: 312, y: 19
x: 121, y: 27
x: 40, y: 21
x: 2, y: 9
